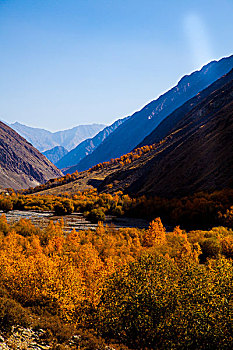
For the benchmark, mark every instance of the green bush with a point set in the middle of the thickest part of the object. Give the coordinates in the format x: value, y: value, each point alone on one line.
x: 156, y: 304
x: 96, y: 215
x: 210, y: 247
x: 65, y: 207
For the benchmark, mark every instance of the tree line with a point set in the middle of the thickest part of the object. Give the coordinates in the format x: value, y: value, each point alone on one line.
x: 200, y: 210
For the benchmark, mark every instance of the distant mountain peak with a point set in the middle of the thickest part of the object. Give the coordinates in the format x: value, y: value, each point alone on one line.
x: 44, y: 139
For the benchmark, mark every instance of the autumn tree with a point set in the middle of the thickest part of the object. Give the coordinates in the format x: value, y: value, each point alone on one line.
x: 156, y: 233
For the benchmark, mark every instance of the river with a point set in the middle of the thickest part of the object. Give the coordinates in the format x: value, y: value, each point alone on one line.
x: 73, y: 221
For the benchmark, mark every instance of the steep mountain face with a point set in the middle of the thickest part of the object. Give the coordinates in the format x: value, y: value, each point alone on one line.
x: 21, y: 165
x: 55, y: 154
x: 44, y: 140
x: 196, y: 156
x: 128, y: 135
x: 87, y: 147
x: 169, y: 123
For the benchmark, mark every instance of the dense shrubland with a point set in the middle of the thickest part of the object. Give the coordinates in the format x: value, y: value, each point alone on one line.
x: 94, y: 206
x: 136, y: 288
x: 201, y: 210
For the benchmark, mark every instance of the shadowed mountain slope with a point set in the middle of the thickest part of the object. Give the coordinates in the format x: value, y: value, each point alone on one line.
x: 21, y: 165
x: 88, y: 146
x: 55, y: 154
x: 197, y: 155
x: 128, y: 135
x: 170, y: 122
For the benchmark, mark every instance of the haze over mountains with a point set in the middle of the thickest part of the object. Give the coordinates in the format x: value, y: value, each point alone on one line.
x: 22, y: 165
x: 132, y: 132
x: 44, y: 140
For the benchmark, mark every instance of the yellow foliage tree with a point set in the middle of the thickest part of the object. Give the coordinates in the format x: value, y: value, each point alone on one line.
x: 156, y: 234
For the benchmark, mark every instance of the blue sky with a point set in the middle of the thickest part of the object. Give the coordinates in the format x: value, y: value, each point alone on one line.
x: 70, y: 62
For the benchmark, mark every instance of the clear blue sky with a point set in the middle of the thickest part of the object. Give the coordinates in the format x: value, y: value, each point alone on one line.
x: 70, y: 62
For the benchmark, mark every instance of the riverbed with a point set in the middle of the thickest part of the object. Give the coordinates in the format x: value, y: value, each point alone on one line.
x: 73, y: 221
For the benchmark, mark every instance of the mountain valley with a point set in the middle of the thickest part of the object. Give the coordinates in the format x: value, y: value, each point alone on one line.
x: 116, y: 175
x: 190, y: 151
x: 163, y: 209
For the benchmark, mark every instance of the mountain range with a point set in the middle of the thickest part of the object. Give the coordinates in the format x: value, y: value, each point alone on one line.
x: 191, y: 150
x: 88, y: 146
x: 133, y: 131
x: 44, y: 140
x: 22, y: 165
x: 195, y: 155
